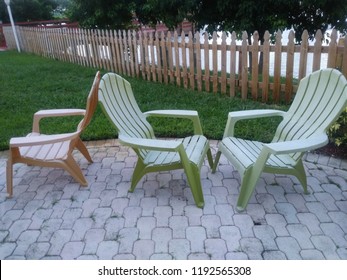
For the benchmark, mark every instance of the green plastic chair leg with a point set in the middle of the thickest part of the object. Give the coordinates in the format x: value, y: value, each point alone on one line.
x: 216, y: 160
x: 137, y: 175
x: 249, y: 181
x: 194, y: 181
x: 301, y: 175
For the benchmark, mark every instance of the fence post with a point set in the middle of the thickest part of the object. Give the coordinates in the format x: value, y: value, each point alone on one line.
x: 198, y: 60
x: 233, y: 64
x: 207, y: 62
x: 290, y: 67
x: 255, y: 65
x: 317, y: 51
x: 303, y: 55
x: 332, y: 50
x: 244, y: 66
x: 266, y: 67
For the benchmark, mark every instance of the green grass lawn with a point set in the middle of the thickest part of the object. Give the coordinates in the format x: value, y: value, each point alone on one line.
x: 29, y: 83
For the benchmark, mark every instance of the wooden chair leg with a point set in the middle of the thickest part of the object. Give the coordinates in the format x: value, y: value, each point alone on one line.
x: 83, y: 149
x: 9, y: 177
x: 73, y: 168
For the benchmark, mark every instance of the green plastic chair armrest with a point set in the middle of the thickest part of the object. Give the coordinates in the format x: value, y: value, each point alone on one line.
x: 294, y: 146
x: 236, y: 116
x: 186, y: 114
x: 150, y: 144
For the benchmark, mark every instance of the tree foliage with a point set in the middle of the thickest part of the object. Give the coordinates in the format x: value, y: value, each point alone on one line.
x: 102, y: 13
x: 28, y: 10
x: 249, y: 15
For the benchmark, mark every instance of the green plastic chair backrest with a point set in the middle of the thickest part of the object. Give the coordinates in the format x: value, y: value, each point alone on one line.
x: 118, y: 102
x: 320, y: 98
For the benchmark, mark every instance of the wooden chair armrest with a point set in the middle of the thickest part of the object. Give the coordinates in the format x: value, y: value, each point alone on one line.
x: 54, y: 113
x: 40, y: 140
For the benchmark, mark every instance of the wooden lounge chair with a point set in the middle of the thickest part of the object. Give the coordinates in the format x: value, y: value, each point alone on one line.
x: 118, y: 102
x: 53, y: 150
x: 320, y: 99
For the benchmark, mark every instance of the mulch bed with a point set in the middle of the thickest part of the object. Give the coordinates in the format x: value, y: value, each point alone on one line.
x: 332, y: 150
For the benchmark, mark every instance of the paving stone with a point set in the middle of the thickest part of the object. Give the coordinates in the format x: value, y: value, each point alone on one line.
x: 290, y: 247
x: 148, y: 204
x: 143, y: 249
x: 267, y: 201
x: 70, y: 216
x: 92, y: 239
x: 210, y: 204
x: 288, y: 211
x: 312, y: 254
x: 118, y: 205
x: 335, y: 232
x: 334, y: 190
x: 58, y: 240
x: 112, y: 227
x: 198, y: 256
x: 124, y: 257
x: 179, y: 248
x: 131, y: 215
x: 40, y: 216
x: 319, y: 210
x: 37, y: 250
x: 342, y: 252
x: 161, y: 257
x: 274, y: 255
x: 80, y: 228
x: 266, y: 235
x: 178, y: 204
x: 107, y: 250
x: 161, y: 236
x: 311, y: 222
x: 106, y: 197
x: 162, y: 214
x: 100, y: 216
x: 340, y: 219
x: 301, y: 234
x: 196, y: 235
x: 232, y: 236
x: 257, y: 213
x: 89, y: 206
x: 245, y: 223
x: 6, y: 249
x: 52, y: 217
x: 163, y: 195
x: 211, y: 223
x: 326, y: 246
x: 178, y: 224
x: 194, y: 215
x: 145, y: 226
x: 17, y: 228
x: 127, y: 237
x: 297, y: 201
x: 236, y: 256
x: 225, y: 213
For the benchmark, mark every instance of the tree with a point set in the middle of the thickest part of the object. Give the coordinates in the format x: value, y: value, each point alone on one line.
x: 28, y: 10
x: 102, y: 13
x: 250, y: 15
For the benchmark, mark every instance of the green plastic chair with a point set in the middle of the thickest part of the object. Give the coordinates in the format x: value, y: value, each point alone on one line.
x: 320, y: 99
x: 117, y: 100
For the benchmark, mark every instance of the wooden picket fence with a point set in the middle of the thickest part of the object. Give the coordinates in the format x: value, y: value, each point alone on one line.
x: 220, y: 64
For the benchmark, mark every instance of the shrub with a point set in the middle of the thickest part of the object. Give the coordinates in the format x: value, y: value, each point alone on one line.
x: 338, y: 131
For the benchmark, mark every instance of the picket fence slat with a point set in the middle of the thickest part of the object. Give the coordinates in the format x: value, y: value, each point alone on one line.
x: 221, y: 64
